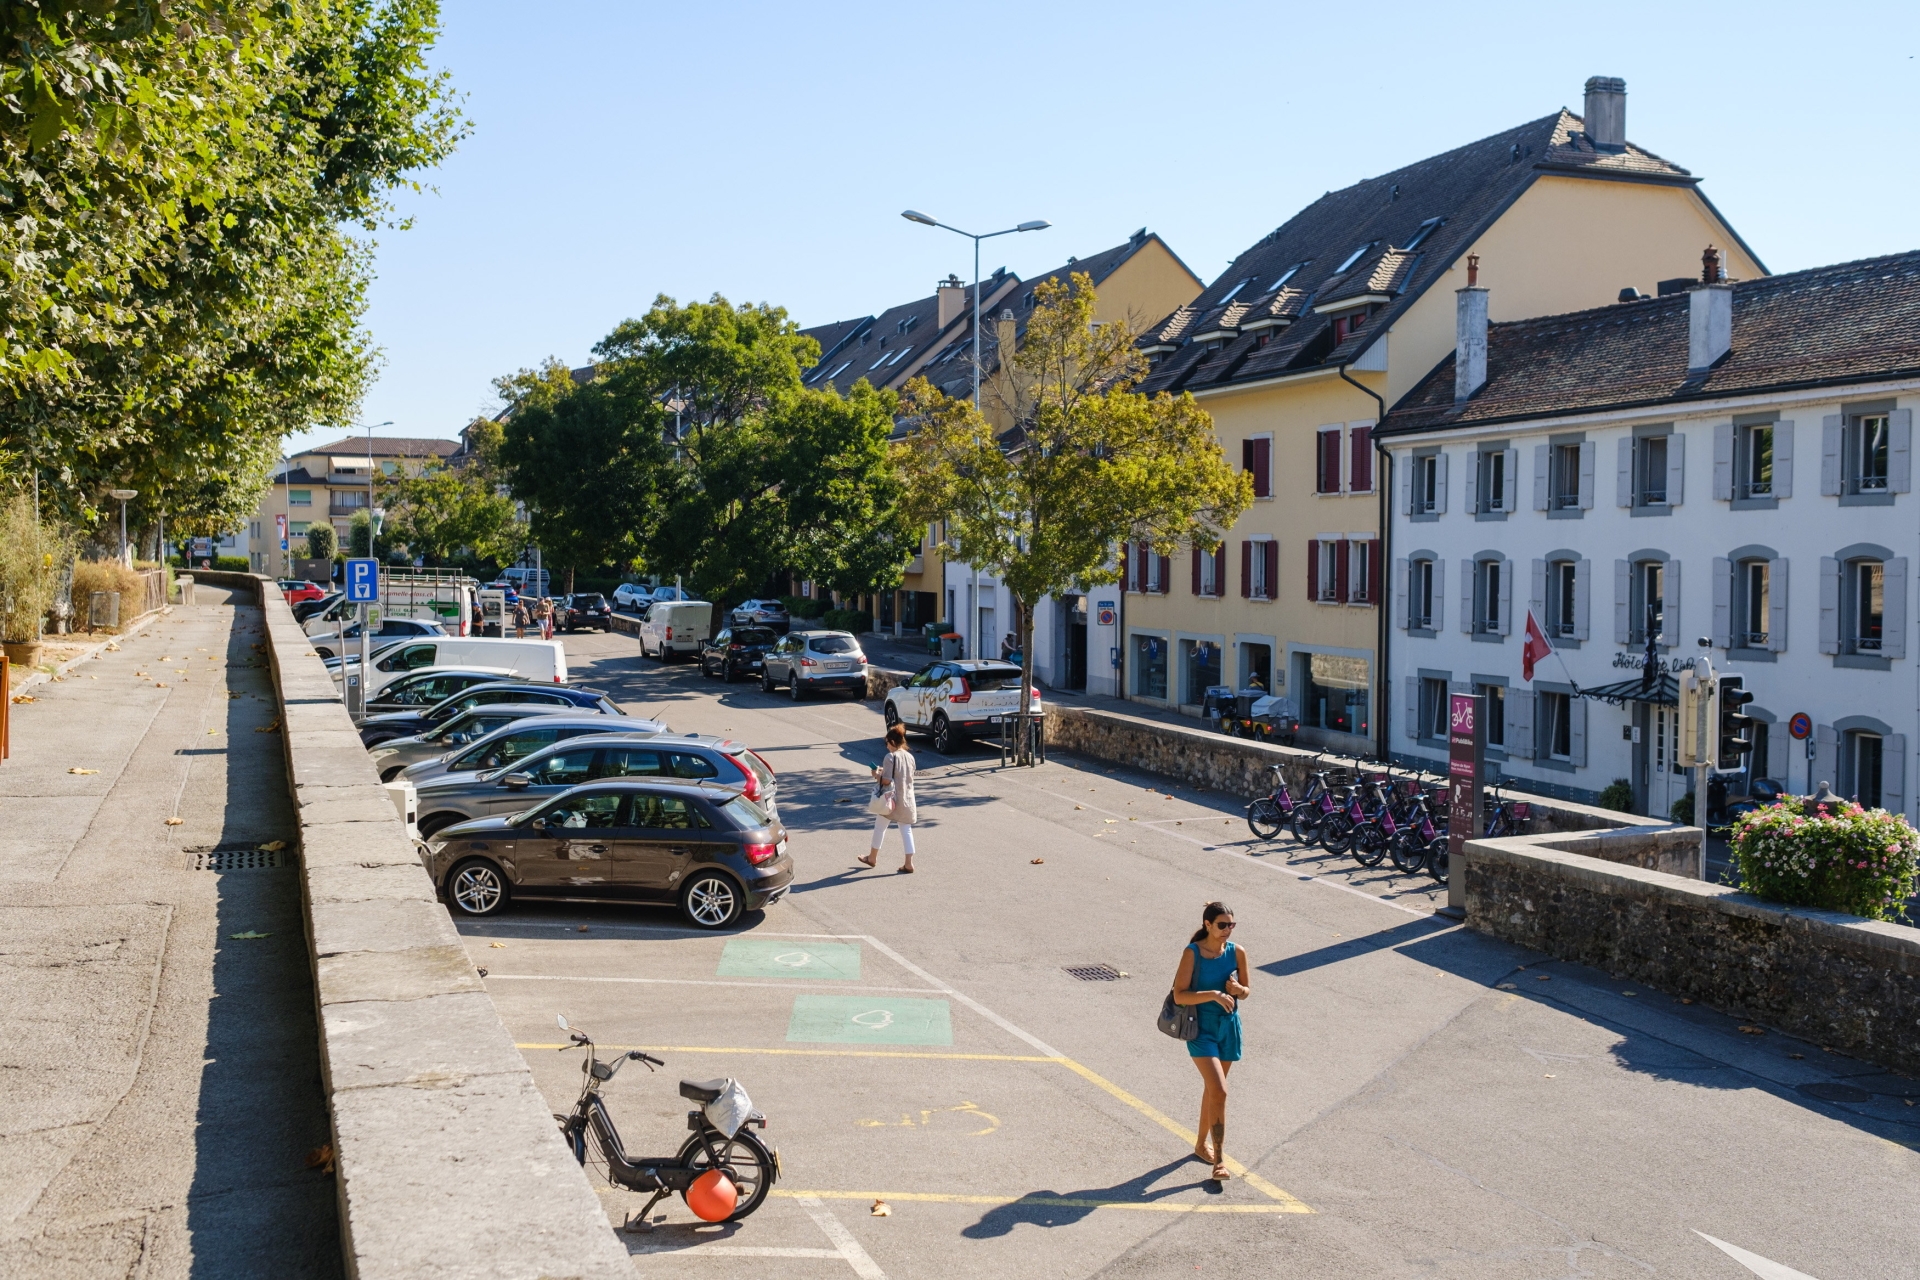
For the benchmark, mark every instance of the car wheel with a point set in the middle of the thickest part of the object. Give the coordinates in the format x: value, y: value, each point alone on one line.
x: 793, y: 687
x: 477, y: 888
x: 944, y: 738
x: 888, y: 714
x: 766, y: 680
x: 706, y: 669
x: 323, y: 651
x: 712, y: 900
x: 726, y: 672
x: 436, y: 822
x: 392, y: 773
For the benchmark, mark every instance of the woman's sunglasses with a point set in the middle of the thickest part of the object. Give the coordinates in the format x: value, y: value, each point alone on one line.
x: 1223, y: 924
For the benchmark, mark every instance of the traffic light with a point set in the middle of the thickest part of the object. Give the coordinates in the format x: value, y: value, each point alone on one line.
x: 1734, y: 734
x: 1694, y: 719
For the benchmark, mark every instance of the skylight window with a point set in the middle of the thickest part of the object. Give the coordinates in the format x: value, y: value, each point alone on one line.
x: 1426, y: 229
x: 1355, y: 256
x: 1236, y: 289
x: 837, y: 372
x: 877, y: 363
x: 899, y: 357
x: 1285, y: 276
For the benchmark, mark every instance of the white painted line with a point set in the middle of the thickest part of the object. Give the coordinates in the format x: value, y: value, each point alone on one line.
x: 729, y: 1251
x: 1753, y: 1262
x: 964, y: 999
x: 862, y: 1263
x: 711, y: 982
x: 572, y: 926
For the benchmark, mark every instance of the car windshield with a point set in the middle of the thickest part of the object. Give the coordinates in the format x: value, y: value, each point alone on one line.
x: 752, y: 635
x: 988, y: 679
x: 833, y: 644
x: 745, y: 814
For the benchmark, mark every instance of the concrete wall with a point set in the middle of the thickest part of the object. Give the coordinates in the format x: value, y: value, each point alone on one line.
x: 1840, y: 981
x: 449, y: 1162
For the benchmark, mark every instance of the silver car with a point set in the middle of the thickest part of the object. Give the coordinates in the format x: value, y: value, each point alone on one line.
x: 468, y: 727
x: 693, y: 757
x: 519, y: 740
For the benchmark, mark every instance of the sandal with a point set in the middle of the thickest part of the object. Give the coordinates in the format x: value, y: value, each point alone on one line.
x: 871, y: 860
x: 1220, y: 1173
x: 906, y: 871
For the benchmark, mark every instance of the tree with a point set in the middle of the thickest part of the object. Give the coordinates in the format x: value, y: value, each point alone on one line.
x: 321, y: 542
x: 444, y: 511
x: 1072, y: 461
x: 588, y: 465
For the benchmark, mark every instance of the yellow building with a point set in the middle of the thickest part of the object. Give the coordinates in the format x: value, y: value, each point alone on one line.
x: 327, y: 485
x: 932, y: 337
x: 1295, y: 349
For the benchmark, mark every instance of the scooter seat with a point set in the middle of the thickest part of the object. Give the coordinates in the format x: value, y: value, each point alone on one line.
x: 702, y: 1090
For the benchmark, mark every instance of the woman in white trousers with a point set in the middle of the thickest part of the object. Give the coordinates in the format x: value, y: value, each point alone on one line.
x: 895, y: 774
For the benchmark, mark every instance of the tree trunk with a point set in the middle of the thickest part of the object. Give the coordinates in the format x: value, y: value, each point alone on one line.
x: 1023, y: 746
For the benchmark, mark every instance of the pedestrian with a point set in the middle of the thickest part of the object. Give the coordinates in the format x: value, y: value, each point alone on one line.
x: 1213, y: 975
x: 519, y: 619
x: 893, y: 801
x: 479, y: 622
x: 546, y: 618
x: 1007, y: 647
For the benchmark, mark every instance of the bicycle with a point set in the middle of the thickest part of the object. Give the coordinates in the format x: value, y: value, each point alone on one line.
x: 1269, y: 815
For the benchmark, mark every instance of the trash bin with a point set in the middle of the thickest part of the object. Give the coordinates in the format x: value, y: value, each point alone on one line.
x: 952, y: 646
x: 103, y: 610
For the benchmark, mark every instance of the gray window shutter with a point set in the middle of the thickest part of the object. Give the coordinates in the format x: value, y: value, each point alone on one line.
x: 1520, y: 723
x: 1676, y: 469
x: 1401, y: 569
x: 1893, y: 773
x: 1471, y: 505
x: 1469, y: 585
x: 1622, y: 601
x: 1537, y: 596
x: 1440, y: 484
x: 1582, y: 599
x: 1439, y: 594
x: 1406, y: 485
x: 1722, y: 602
x: 1830, y: 605
x: 1893, y: 609
x: 1577, y: 731
x: 1623, y: 487
x: 1900, y: 451
x: 1779, y: 744
x: 1830, y: 440
x: 1783, y: 459
x: 1413, y: 706
x: 1542, y: 476
x: 1587, y: 451
x: 1510, y: 501
x: 1777, y: 605
x: 1671, y: 633
x: 1723, y: 461
x: 1826, y: 756
x: 1506, y: 597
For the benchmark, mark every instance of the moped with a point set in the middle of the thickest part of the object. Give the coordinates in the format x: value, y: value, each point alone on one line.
x: 741, y: 1157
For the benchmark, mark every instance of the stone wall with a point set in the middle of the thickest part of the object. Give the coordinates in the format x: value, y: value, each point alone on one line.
x: 1837, y: 980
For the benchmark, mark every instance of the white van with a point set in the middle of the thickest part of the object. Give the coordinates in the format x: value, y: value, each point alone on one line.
x: 542, y: 660
x: 675, y: 626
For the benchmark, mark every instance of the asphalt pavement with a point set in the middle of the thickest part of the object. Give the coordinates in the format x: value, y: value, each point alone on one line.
x: 1415, y: 1099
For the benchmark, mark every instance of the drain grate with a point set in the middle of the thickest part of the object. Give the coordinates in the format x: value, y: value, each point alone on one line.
x: 235, y: 858
x: 1095, y: 972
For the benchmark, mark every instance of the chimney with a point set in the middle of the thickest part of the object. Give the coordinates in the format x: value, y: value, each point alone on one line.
x: 1709, y: 315
x: 1470, y: 335
x: 1606, y: 113
x: 953, y: 300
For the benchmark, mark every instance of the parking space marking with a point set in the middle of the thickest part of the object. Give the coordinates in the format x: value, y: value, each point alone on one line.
x: 806, y: 1053
x: 698, y: 982
x: 863, y: 1265
x: 697, y: 1250
x: 866, y: 1020
x: 777, y: 958
x: 1066, y: 1202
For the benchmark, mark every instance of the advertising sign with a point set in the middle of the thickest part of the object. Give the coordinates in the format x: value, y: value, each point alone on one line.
x: 1466, y: 751
x: 280, y: 523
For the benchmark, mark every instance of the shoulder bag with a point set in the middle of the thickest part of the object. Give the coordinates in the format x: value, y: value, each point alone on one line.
x: 881, y: 805
x: 1181, y: 1021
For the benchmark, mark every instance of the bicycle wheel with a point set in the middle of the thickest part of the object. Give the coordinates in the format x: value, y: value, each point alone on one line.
x: 1369, y: 844
x: 1437, y: 858
x: 1336, y: 834
x: 747, y: 1161
x: 1408, y: 852
x: 1306, y: 824
x: 1264, y: 818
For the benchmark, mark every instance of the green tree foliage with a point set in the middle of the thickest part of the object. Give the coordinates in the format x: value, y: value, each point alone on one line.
x: 1064, y: 460
x: 587, y: 465
x: 175, y: 183
x: 445, y: 510
x: 321, y: 542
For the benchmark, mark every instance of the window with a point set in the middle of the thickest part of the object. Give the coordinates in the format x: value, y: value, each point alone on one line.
x: 1360, y: 568
x: 1259, y: 569
x: 1206, y: 571
x: 1285, y: 276
x: 389, y: 468
x: 300, y: 497
x: 1326, y: 460
x: 1420, y: 595
x: 1433, y: 707
x: 1256, y: 666
x: 1492, y: 482
x: 583, y: 812
x: 1860, y: 777
x: 1202, y: 660
x: 1489, y: 589
x: 298, y: 528
x: 1867, y: 453
x: 1496, y: 696
x: 1149, y: 667
x: 1345, y: 326
x: 1327, y: 570
x: 1355, y: 256
x: 1566, y: 477
x: 1425, y: 229
x: 1756, y: 462
x: 1650, y: 471
x: 1554, y: 719
x: 1562, y: 587
x: 1751, y: 587
x: 349, y: 498
x: 564, y: 769
x: 1429, y: 484
x: 668, y: 813
x: 1231, y: 292
x: 1360, y: 459
x: 1647, y: 610
x: 1334, y: 693
x: 1864, y: 595
x: 1256, y: 459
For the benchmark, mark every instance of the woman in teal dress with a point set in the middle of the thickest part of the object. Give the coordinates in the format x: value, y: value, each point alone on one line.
x: 1213, y: 975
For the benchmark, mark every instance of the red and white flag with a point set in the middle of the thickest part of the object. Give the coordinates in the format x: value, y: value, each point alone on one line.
x: 1535, y: 649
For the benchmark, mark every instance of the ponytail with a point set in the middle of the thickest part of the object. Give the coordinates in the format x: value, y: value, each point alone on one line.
x: 1214, y: 911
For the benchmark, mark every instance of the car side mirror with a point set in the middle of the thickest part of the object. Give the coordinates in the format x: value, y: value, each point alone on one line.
x: 517, y: 781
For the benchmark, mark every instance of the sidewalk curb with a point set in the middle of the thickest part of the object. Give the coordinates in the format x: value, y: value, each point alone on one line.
x: 92, y: 651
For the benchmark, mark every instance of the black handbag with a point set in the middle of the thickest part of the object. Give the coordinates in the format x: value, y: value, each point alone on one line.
x: 1181, y: 1021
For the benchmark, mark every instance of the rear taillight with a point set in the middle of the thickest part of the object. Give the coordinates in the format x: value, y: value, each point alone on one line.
x: 734, y: 648
x: 965, y: 694
x: 763, y: 760
x: 759, y: 853
x: 669, y: 633
x: 808, y: 662
x: 752, y: 788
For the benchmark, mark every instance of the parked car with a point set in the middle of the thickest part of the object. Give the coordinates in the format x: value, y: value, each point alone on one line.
x: 530, y: 659
x: 401, y: 724
x: 469, y: 726
x: 693, y: 757
x: 669, y: 593
x: 709, y: 849
x: 531, y: 582
x: 766, y: 613
x: 629, y: 596
x: 509, y: 595
x: 389, y: 629
x: 955, y: 701
x: 816, y: 662
x: 675, y: 627
x: 583, y: 610
x: 524, y: 737
x: 306, y: 609
x: 433, y: 684
x: 737, y: 651
x: 299, y: 590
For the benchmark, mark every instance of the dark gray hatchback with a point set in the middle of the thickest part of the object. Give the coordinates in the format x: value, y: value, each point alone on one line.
x: 706, y: 848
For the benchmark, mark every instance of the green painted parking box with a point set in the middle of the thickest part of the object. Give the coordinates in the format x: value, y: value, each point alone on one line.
x: 774, y: 958
x: 870, y: 1020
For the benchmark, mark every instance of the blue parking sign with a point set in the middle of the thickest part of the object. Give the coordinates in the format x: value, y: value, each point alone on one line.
x: 363, y: 581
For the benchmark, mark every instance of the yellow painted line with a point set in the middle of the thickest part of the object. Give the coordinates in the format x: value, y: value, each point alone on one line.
x: 1286, y: 1202
x: 1065, y: 1202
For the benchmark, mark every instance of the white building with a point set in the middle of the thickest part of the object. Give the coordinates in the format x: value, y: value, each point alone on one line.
x: 1730, y: 461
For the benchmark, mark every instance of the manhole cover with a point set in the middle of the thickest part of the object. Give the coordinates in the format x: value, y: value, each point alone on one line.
x: 1832, y: 1091
x: 1095, y: 972
x: 238, y: 858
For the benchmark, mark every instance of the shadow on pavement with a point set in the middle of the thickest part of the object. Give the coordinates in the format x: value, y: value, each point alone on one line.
x: 1043, y: 1208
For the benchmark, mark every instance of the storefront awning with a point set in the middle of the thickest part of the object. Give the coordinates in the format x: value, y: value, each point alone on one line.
x: 1665, y: 692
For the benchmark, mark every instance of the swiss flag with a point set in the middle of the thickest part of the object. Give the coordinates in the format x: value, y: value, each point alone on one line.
x: 1535, y: 649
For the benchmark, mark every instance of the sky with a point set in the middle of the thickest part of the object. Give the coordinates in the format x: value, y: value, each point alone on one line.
x: 764, y: 151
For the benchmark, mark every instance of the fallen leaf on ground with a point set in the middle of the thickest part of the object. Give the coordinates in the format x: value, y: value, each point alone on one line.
x: 269, y: 728
x: 1544, y: 978
x: 112, y: 647
x: 881, y: 1209
x: 1078, y: 806
x: 581, y: 929
x: 213, y: 731
x: 1686, y: 999
x: 249, y: 935
x: 141, y: 674
x: 1109, y: 821
x: 1133, y: 819
x: 174, y: 822
x: 321, y: 1158
x: 27, y: 697
x: 1036, y: 861
x: 1629, y: 993
x: 78, y: 769
x: 1549, y: 1075
x: 496, y: 944
x: 273, y: 846
x: 1802, y: 1055
x: 159, y: 684
x: 1509, y: 986
x: 1753, y: 1031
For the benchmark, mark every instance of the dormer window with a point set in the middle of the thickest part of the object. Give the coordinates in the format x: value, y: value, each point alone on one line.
x: 906, y: 326
x: 1425, y: 229
x: 1356, y: 255
x: 1345, y: 326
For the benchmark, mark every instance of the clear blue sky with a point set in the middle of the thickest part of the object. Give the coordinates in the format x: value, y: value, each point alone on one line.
x: 764, y: 151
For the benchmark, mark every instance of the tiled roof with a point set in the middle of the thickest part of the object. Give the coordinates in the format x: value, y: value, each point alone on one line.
x: 1381, y: 218
x: 298, y: 475
x: 1855, y: 322
x: 389, y: 447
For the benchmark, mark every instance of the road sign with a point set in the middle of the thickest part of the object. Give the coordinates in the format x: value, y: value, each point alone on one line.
x: 1801, y: 726
x: 363, y: 581
x: 1103, y: 613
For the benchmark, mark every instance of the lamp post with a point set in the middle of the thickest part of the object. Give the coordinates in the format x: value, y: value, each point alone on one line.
x: 125, y: 496
x: 372, y: 532
x: 912, y: 215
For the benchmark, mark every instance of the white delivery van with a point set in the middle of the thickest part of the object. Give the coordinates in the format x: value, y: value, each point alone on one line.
x: 541, y: 660
x: 675, y: 627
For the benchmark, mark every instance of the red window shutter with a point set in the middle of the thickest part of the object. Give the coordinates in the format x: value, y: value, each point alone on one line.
x: 1272, y: 550
x: 1166, y: 574
x: 1327, y: 461
x: 1342, y: 566
x: 1196, y: 568
x: 1246, y: 460
x: 1360, y: 466
x: 1313, y: 569
x: 1246, y: 570
x: 1374, y: 566
x: 1262, y: 468
x: 1220, y: 569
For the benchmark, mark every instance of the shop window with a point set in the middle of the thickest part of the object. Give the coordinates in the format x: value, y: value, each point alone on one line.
x: 1149, y: 667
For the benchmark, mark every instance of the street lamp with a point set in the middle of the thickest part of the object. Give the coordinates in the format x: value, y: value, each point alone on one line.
x: 125, y: 496
x: 914, y: 215
x: 372, y: 530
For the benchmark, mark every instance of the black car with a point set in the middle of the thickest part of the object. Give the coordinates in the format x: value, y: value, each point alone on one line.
x: 737, y: 651
x: 707, y: 848
x: 423, y: 689
x: 585, y: 610
x: 375, y: 730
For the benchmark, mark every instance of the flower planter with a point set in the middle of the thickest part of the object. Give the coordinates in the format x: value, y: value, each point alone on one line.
x: 23, y: 653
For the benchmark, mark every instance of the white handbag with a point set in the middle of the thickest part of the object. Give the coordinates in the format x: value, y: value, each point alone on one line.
x: 881, y: 805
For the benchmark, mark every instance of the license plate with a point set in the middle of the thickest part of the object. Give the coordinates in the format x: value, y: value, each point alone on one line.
x: 756, y: 663
x: 780, y: 849
x: 835, y: 666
